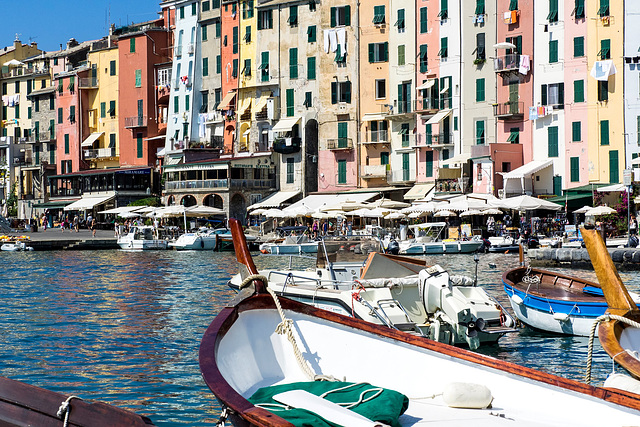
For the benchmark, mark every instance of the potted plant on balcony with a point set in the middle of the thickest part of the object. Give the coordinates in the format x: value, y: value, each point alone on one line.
x: 479, y: 61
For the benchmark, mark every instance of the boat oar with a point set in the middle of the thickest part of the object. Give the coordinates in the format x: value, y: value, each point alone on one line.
x: 247, y: 267
x: 617, y: 296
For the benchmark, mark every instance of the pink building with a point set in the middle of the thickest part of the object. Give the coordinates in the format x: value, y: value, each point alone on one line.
x: 576, y: 73
x: 68, y: 130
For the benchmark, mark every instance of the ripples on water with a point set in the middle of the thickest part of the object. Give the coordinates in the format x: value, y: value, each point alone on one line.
x: 125, y: 327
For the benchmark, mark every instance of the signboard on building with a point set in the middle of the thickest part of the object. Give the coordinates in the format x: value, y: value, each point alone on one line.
x: 627, y: 177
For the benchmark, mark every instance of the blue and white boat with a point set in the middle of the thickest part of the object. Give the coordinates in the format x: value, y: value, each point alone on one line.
x: 428, y: 240
x: 554, y: 302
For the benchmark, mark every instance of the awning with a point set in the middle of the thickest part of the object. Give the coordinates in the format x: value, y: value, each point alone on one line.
x: 87, y: 203
x: 91, y: 139
x: 286, y: 124
x: 53, y: 204
x: 458, y: 158
x: 155, y: 138
x: 372, y: 117
x: 439, y: 116
x: 427, y: 85
x: 262, y: 101
x: 315, y: 202
x: 569, y: 198
x: 160, y: 152
x: 274, y: 201
x: 528, y: 169
x: 418, y: 191
x: 612, y: 187
x: 244, y: 105
x: 445, y: 87
x: 224, y: 105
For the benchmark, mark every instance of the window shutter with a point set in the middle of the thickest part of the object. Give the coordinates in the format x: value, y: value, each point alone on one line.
x: 553, y: 51
x: 513, y: 5
x: 614, y: 174
x: 334, y: 92
x: 561, y: 96
x: 347, y: 95
x: 552, y: 134
x: 372, y: 53
x: 543, y: 95
x: 575, y: 169
x: 311, y: 68
x: 333, y: 17
x: 479, y: 90
x: 401, y: 55
x: 347, y: 15
x: 576, y: 134
x: 578, y: 91
x: 386, y: 51
x: 293, y: 63
x: 423, y: 58
x: 424, y: 23
x: 604, y: 132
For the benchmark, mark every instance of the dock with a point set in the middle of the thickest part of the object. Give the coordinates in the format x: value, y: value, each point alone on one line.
x: 624, y: 258
x: 54, y: 239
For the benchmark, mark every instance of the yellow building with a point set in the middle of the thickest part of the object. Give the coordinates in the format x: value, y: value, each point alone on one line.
x: 245, y: 44
x: 605, y: 91
x: 99, y: 88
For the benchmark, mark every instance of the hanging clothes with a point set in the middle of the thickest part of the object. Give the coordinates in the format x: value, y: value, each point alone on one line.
x: 342, y: 40
x: 327, y: 41
x: 333, y: 40
x: 524, y: 65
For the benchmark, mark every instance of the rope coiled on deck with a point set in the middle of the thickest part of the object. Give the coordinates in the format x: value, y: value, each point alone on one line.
x: 603, y: 318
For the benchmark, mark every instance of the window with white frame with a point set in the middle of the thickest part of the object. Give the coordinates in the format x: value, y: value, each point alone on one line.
x: 381, y: 88
x: 164, y: 77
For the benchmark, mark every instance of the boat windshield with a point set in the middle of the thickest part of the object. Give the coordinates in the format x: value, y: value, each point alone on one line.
x: 429, y: 229
x: 347, y: 249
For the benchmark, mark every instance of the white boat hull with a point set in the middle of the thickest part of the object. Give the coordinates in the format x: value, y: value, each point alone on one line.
x: 143, y: 245
x: 194, y: 242
x: 283, y: 249
x: 458, y: 247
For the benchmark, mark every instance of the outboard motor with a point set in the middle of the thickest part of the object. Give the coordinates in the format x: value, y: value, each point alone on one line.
x: 393, y: 247
x: 532, y: 243
x: 633, y: 241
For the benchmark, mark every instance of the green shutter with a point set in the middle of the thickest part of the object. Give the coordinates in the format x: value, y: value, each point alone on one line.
x: 132, y: 44
x: 334, y: 92
x: 638, y: 129
x: 513, y: 5
x: 66, y: 143
x: 603, y: 10
x: 401, y: 54
x: 575, y: 169
x: 60, y: 116
x: 444, y: 9
x: 247, y: 34
x: 578, y: 47
x: 234, y: 68
x: 219, y: 28
x: 578, y: 91
x: 443, y: 47
x: 384, y: 158
x: 333, y: 17
x: 342, y: 171
x: 235, y: 40
x: 218, y: 64
x: 576, y: 131
x: 424, y: 23
x: 138, y: 78
x: 579, y: 9
x: 479, y: 90
x: 386, y: 52
x: 429, y: 164
x: 614, y: 174
x: 176, y: 104
x: 604, y: 132
x: 204, y: 32
x: 290, y: 106
x: 112, y: 108
x: 479, y: 7
x: 372, y: 52
x: 347, y: 15
x: 139, y: 144
x: 293, y: 15
x: 480, y: 132
x: 311, y: 34
x: 112, y: 68
x: 424, y: 64
x: 205, y: 67
x: 553, y: 11
x: 28, y: 112
x: 103, y: 110
x: 343, y: 133
x: 605, y: 49
x: 552, y: 133
x: 543, y: 95
x: 264, y: 66
x: 400, y: 21
x: 311, y: 68
x: 187, y: 102
x: 293, y: 63
x: 194, y: 8
x: 553, y: 51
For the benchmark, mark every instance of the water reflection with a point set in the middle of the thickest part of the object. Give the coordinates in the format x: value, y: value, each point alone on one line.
x: 125, y: 327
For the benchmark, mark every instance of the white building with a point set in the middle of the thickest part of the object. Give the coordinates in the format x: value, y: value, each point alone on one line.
x: 632, y: 86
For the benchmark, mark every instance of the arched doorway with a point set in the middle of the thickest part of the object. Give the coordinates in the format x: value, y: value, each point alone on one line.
x: 171, y: 201
x: 214, y: 201
x: 188, y: 200
x: 238, y: 208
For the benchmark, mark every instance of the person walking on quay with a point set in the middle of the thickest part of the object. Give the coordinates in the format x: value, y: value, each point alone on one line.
x: 93, y: 226
x: 44, y: 222
x: 633, y: 226
x: 76, y: 223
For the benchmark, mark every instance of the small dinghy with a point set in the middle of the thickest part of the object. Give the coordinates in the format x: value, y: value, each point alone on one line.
x: 262, y: 356
x: 554, y: 302
x: 27, y: 405
x: 17, y: 246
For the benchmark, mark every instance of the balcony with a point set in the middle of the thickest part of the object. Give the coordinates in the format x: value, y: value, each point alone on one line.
x: 196, y: 184
x: 287, y: 145
x: 100, y: 153
x: 509, y: 110
x: 377, y: 137
x: 340, y: 144
x: 428, y: 106
x: 374, y: 171
x: 45, y: 136
x: 88, y: 83
x: 507, y: 63
x: 177, y: 51
x: 401, y: 107
x: 135, y: 122
x: 190, y: 48
x: 436, y: 141
x: 401, y: 176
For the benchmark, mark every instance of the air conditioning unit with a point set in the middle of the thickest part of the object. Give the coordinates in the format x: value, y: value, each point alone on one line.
x: 501, y: 193
x: 190, y: 49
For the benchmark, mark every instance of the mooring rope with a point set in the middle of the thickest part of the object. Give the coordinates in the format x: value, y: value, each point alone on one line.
x: 603, y: 318
x: 65, y: 409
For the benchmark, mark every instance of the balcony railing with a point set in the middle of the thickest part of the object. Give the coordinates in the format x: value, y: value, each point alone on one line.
x: 401, y: 107
x: 17, y: 72
x: 253, y: 183
x: 100, y: 153
x: 45, y: 136
x: 437, y: 140
x: 377, y: 136
x: 374, y: 171
x: 287, y: 145
x: 402, y: 175
x: 196, y: 184
x: 177, y: 51
x: 87, y: 82
x: 506, y: 63
x: 340, y: 144
x: 509, y: 110
x: 135, y: 122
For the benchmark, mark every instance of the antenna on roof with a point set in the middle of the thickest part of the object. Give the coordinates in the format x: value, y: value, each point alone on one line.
x: 18, y: 37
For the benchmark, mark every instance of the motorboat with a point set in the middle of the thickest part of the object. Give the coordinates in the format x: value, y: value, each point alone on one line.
x: 554, y: 302
x: 16, y: 246
x: 27, y: 405
x: 354, y: 278
x: 504, y: 244
x: 619, y: 328
x: 262, y: 344
x: 290, y: 241
x: 142, y: 237
x: 204, y: 239
x: 428, y: 240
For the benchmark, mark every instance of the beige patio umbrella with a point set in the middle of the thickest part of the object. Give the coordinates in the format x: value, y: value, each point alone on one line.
x: 472, y: 212
x: 492, y: 211
x: 600, y: 210
x: 347, y: 205
x: 395, y: 215
x: 444, y: 213
x: 258, y: 212
x: 200, y: 211
x: 386, y: 203
x: 583, y: 209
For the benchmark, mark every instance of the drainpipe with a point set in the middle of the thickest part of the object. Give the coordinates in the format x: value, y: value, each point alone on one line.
x: 460, y: 95
x: 358, y: 123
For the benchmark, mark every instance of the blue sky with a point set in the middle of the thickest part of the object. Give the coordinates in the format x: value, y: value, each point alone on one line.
x: 50, y: 23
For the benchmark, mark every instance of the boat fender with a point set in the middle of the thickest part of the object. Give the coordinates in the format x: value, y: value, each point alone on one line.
x: 467, y: 395
x: 623, y: 382
x: 517, y: 299
x: 561, y: 317
x: 460, y: 281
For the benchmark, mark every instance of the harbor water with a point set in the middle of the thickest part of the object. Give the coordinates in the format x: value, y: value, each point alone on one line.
x: 125, y: 327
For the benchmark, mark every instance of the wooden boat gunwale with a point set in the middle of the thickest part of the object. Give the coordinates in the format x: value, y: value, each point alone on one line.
x: 243, y: 411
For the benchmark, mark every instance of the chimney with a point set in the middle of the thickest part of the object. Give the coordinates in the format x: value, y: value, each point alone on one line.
x: 71, y: 43
x: 34, y: 45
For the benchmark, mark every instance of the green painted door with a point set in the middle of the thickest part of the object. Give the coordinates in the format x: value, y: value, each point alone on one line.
x: 405, y: 166
x: 342, y: 171
x: 557, y: 185
x: 613, y: 167
x: 429, y: 162
x: 513, y: 98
